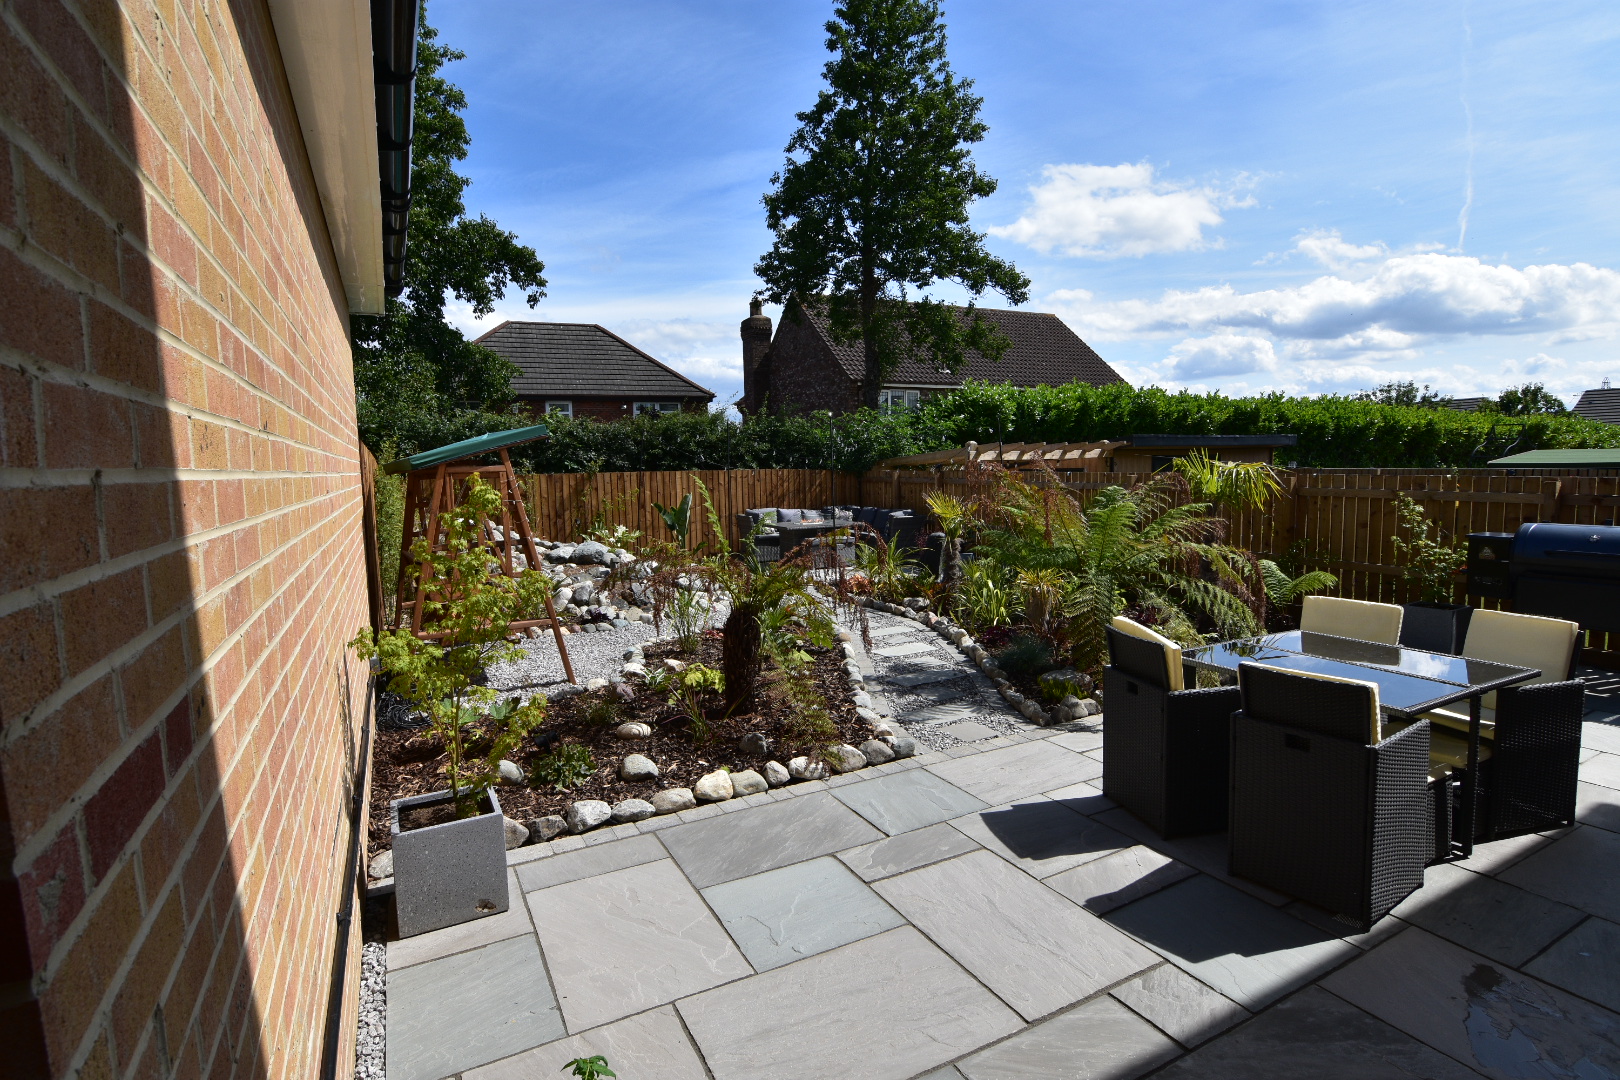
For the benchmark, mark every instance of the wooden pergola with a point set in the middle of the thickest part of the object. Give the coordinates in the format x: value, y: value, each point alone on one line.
x: 1074, y: 455
x: 435, y: 483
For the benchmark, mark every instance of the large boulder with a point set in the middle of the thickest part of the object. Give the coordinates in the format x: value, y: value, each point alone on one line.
x: 638, y: 767
x: 713, y: 787
x: 632, y: 810
x: 672, y: 800
x: 776, y: 774
x: 587, y: 814
x: 591, y: 552
x: 747, y: 782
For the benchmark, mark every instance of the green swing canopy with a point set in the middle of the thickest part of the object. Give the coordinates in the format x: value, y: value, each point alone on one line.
x: 482, y: 444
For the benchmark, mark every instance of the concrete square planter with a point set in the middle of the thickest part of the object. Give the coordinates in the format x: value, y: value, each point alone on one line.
x: 450, y: 873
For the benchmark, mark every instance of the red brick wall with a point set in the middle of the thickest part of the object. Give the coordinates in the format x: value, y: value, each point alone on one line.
x: 800, y: 374
x: 179, y: 516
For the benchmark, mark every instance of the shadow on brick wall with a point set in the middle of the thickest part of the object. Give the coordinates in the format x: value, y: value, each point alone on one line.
x: 142, y: 744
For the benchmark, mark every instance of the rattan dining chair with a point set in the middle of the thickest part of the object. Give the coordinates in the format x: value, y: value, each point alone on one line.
x: 1360, y: 619
x: 1164, y: 746
x: 1530, y: 734
x: 1324, y: 807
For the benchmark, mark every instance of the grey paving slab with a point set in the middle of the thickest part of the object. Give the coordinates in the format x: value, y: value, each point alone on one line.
x: 906, y: 851
x: 1486, y: 915
x: 1040, y: 836
x: 948, y: 712
x: 1116, y: 879
x: 886, y: 1008
x: 909, y: 648
x: 1015, y: 772
x: 1086, y: 798
x: 1246, y: 949
x: 1101, y: 1040
x: 797, y: 911
x: 1035, y: 949
x: 1599, y: 806
x: 468, y: 1009
x: 510, y: 923
x: 1498, y: 855
x: 969, y: 731
x: 1317, y: 1036
x: 901, y: 802
x: 1206, y: 853
x: 1602, y: 769
x: 1382, y: 930
x: 949, y: 1072
x: 588, y: 862
x: 627, y: 941
x: 1579, y: 870
x: 1601, y: 736
x: 1586, y: 961
x: 765, y: 837
x: 651, y: 1044
x: 1079, y: 741
x: 925, y: 677
x: 1489, y: 1017
x: 891, y: 631
x: 1178, y: 1004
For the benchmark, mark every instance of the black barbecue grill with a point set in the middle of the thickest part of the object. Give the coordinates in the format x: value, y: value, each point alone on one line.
x: 1568, y: 572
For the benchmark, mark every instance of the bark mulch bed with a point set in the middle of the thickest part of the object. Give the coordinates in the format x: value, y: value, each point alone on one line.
x: 411, y: 762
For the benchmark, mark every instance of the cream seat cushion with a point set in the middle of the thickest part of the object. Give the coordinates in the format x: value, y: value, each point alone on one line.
x: 1361, y: 619
x: 1172, y: 651
x: 1504, y: 637
x: 1375, y: 721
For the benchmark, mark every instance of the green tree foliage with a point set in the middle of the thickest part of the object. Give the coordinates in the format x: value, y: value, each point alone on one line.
x: 419, y: 382
x: 871, y: 206
x: 1531, y: 399
x: 1402, y: 393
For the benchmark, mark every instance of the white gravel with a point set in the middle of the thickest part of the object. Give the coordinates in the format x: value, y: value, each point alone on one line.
x: 369, y: 1044
x: 594, y: 656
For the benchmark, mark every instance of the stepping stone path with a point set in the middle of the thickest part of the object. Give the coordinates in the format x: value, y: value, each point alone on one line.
x: 925, y: 686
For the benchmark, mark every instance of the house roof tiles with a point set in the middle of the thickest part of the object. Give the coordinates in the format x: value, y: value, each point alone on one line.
x: 1043, y: 351
x: 1602, y: 404
x: 584, y: 360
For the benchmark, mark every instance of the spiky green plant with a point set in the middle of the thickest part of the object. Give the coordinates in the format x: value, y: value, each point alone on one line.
x: 1141, y: 549
x: 1237, y: 485
x: 1283, y: 590
x: 955, y: 518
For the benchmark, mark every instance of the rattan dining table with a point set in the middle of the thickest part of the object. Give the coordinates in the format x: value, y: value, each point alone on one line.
x: 1410, y: 682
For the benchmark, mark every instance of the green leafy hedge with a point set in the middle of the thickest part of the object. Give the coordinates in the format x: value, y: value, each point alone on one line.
x: 1334, y: 432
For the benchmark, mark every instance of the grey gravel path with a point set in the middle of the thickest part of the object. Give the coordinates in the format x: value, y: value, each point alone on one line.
x: 369, y: 1042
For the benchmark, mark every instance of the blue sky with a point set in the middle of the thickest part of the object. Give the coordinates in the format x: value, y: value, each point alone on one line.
x: 1244, y: 196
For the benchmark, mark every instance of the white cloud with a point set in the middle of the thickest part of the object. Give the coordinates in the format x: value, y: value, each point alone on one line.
x: 1221, y: 354
x: 1115, y: 210
x: 1331, y: 250
x: 1390, y: 305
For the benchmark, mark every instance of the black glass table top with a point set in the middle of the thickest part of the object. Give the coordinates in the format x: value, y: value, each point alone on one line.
x: 1408, y: 680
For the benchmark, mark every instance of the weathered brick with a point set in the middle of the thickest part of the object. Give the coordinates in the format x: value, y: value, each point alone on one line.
x: 19, y: 445
x: 137, y: 995
x: 169, y: 581
x: 61, y: 39
x: 37, y: 315
x: 101, y: 617
x: 86, y: 428
x: 31, y: 99
x: 53, y: 892
x: 122, y: 350
x: 177, y: 736
x: 153, y: 677
x: 60, y: 223
x: 29, y: 666
x: 45, y: 767
x: 86, y: 972
x: 45, y: 532
x: 115, y: 811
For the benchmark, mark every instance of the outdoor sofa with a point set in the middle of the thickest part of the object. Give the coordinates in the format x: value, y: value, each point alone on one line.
x: 888, y: 524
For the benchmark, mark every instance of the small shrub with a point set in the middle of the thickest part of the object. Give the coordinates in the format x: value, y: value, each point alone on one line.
x: 568, y: 766
x: 591, y: 1068
x: 1026, y: 657
x: 603, y: 712
x: 982, y: 599
x: 1431, y: 562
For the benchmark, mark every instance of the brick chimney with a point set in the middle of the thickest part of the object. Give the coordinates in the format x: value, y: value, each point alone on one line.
x: 756, y: 339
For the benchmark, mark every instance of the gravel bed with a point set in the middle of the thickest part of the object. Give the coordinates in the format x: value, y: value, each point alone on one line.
x: 369, y: 1043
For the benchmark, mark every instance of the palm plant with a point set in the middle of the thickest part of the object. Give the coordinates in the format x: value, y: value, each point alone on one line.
x: 1142, y: 550
x: 955, y: 517
x: 1237, y: 485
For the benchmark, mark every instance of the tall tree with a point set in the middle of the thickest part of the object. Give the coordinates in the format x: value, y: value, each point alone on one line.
x: 1531, y: 399
x: 872, y: 202
x: 419, y: 382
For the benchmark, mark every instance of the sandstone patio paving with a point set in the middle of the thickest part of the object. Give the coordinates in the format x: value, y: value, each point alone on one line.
x: 785, y: 915
x: 736, y: 845
x: 909, y: 800
x: 1493, y: 1019
x: 1035, y: 949
x: 464, y: 1010
x: 907, y: 851
x: 1101, y: 1040
x: 890, y: 1006
x: 650, y: 974
x: 629, y: 940
x: 1248, y: 950
x: 1040, y: 836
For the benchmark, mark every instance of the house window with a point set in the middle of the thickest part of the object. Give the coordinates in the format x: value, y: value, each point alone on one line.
x: 565, y: 408
x: 898, y: 399
x: 653, y: 408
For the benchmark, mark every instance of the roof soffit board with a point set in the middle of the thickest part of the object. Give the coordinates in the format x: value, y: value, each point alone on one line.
x: 326, y: 50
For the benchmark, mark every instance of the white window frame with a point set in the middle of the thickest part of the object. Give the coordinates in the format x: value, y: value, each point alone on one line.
x: 899, y: 399
x: 566, y: 408
x: 657, y: 408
